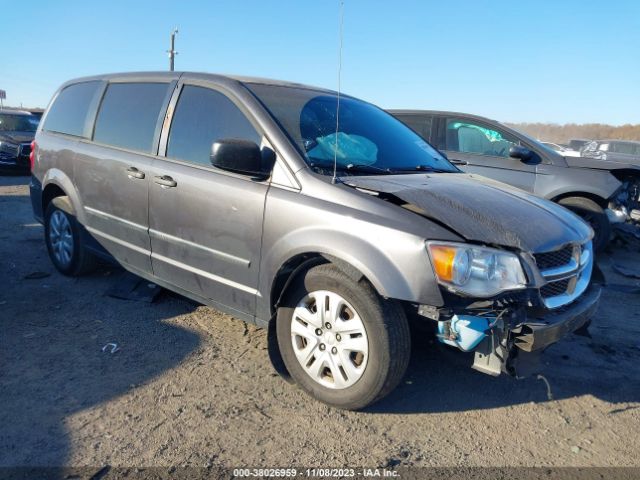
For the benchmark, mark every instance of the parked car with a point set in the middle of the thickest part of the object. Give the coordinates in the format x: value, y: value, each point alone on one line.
x: 17, y: 130
x: 600, y: 192
x: 624, y: 151
x: 248, y: 195
x: 578, y: 143
x: 563, y: 150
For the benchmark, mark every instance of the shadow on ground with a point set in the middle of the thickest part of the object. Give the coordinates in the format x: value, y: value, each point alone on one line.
x: 36, y: 399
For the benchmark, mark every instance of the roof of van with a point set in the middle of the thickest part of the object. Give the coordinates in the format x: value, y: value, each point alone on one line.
x: 202, y: 75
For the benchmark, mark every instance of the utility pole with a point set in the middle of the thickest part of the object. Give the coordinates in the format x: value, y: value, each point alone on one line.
x: 172, y: 52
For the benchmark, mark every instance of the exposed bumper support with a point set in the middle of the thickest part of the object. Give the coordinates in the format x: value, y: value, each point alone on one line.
x: 504, y: 350
x: 535, y: 334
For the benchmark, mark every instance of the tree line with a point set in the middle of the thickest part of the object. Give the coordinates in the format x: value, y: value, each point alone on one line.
x: 553, y: 132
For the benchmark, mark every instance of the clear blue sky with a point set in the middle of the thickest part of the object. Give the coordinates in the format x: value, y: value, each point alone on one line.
x: 517, y: 60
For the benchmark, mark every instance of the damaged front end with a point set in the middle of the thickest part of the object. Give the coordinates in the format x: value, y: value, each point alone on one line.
x: 624, y: 206
x: 521, y: 279
x: 508, y: 332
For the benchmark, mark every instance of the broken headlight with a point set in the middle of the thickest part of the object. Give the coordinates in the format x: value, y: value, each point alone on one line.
x: 476, y: 271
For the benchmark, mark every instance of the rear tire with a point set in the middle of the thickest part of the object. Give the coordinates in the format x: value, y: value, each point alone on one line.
x: 594, y: 215
x: 363, y: 352
x: 65, y: 243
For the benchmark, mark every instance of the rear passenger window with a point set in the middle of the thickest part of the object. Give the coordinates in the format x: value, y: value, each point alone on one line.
x: 202, y: 117
x: 129, y: 114
x: 68, y: 113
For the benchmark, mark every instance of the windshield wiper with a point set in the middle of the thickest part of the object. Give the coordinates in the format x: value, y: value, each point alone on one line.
x: 422, y: 168
x: 366, y: 169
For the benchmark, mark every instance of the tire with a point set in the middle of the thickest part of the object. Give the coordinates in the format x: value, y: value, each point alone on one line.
x: 72, y: 258
x: 364, y: 319
x: 594, y: 215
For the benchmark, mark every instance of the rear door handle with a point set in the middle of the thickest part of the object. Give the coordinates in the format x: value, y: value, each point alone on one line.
x: 458, y: 162
x: 166, y: 181
x: 133, y: 172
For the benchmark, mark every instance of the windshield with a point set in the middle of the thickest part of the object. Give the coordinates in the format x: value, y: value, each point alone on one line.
x: 18, y: 123
x: 368, y: 140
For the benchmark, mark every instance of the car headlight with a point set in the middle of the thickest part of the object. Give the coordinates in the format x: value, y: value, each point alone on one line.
x: 8, y: 147
x: 476, y: 271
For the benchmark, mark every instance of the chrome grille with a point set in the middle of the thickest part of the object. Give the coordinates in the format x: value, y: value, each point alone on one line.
x: 554, y: 259
x: 567, y: 272
x: 553, y: 289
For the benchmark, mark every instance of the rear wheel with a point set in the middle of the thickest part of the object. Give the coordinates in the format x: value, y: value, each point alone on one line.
x: 594, y: 215
x: 341, y: 342
x: 65, y: 243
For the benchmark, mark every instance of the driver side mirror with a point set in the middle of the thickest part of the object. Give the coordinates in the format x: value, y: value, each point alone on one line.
x: 522, y: 153
x: 241, y: 156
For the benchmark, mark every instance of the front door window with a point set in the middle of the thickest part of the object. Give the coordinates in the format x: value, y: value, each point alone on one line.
x: 467, y: 137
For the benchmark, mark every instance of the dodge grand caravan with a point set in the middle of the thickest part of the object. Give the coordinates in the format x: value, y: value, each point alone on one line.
x: 251, y: 196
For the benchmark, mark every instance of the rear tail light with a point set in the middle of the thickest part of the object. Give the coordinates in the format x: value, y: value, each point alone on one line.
x: 32, y: 155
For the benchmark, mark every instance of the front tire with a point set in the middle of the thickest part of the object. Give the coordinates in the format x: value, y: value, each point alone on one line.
x: 340, y: 341
x: 594, y: 215
x: 65, y: 243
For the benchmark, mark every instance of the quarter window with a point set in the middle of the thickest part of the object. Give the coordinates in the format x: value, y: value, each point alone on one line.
x: 68, y: 114
x: 202, y: 117
x: 467, y: 137
x: 129, y: 114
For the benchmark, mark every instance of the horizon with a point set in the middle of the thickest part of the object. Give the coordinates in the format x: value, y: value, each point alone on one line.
x: 568, y: 63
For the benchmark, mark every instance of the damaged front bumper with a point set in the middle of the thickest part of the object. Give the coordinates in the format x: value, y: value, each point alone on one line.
x: 509, y: 342
x: 537, y: 333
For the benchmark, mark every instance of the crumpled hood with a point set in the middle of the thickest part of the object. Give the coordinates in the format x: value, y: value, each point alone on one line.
x: 599, y: 164
x: 17, y: 137
x: 483, y: 210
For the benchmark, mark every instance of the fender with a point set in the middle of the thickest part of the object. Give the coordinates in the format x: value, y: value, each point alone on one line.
x: 398, y: 269
x: 57, y: 177
x: 594, y: 182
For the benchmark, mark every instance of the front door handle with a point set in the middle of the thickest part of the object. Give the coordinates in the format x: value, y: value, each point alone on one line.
x: 166, y: 181
x: 133, y: 172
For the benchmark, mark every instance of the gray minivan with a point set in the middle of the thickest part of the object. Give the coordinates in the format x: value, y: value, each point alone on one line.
x: 330, y: 229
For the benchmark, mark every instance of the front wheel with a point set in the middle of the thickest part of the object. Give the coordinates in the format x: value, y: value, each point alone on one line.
x: 341, y: 342
x: 594, y: 215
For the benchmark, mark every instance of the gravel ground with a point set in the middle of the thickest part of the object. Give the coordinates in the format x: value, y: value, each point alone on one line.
x: 191, y: 386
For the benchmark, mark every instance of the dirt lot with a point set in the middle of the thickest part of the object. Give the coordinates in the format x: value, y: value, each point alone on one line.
x: 191, y: 386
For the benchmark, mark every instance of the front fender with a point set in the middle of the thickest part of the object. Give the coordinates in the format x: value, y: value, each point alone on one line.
x: 394, y: 261
x: 553, y: 183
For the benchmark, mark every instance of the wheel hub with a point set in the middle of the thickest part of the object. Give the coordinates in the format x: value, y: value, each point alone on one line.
x: 329, y: 339
x: 61, y: 238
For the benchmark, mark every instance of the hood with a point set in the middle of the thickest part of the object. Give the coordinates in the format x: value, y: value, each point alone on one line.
x: 599, y: 164
x: 482, y: 210
x: 17, y: 137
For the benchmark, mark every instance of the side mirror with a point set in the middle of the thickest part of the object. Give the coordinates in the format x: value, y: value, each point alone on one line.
x: 524, y: 154
x: 239, y: 156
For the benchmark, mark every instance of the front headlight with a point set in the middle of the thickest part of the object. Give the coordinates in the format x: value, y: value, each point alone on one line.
x: 8, y: 147
x: 476, y: 271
